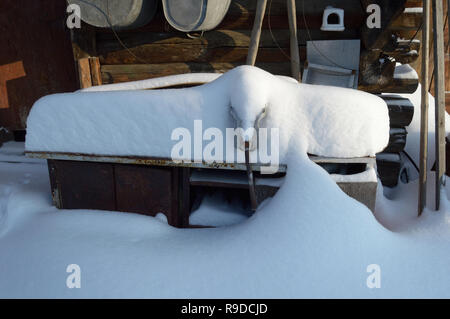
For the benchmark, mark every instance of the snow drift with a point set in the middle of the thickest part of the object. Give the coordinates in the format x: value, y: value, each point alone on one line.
x: 333, y: 121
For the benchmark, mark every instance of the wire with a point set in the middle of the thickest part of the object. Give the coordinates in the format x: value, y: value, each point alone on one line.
x: 271, y: 34
x: 112, y: 29
x: 411, y: 160
x: 314, y: 45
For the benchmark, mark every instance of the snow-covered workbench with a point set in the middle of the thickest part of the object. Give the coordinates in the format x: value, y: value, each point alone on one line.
x: 113, y: 150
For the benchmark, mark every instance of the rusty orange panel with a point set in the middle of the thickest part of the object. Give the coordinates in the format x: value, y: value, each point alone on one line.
x: 9, y: 72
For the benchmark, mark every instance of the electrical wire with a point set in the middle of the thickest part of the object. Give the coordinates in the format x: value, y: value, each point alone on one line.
x: 271, y: 33
x: 112, y: 29
x: 411, y: 160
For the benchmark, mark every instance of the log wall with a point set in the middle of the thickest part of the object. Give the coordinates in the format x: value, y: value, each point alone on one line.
x: 157, y: 49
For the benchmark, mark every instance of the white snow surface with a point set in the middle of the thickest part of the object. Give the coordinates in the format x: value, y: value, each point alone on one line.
x: 140, y: 123
x: 310, y: 240
x: 164, y: 81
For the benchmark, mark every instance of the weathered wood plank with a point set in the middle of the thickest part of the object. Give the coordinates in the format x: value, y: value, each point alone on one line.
x: 96, y: 76
x: 439, y: 67
x: 201, y: 54
x: 397, y: 85
x: 295, y: 54
x: 216, y: 38
x: 84, y: 73
x: 256, y: 32
x: 423, y: 155
x: 410, y: 19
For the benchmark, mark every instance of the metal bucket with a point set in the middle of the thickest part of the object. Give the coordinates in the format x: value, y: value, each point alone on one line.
x: 122, y: 14
x: 195, y: 15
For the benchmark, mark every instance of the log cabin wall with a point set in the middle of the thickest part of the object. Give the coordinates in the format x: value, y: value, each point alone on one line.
x: 417, y: 63
x: 161, y: 50
x: 158, y: 50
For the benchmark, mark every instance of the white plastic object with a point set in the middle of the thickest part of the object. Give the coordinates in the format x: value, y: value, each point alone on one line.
x: 328, y: 12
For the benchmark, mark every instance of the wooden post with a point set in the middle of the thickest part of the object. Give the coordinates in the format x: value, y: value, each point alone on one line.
x: 96, y: 75
x: 84, y: 73
x: 424, y: 107
x: 439, y: 67
x: 295, y: 55
x: 256, y: 32
x: 89, y: 72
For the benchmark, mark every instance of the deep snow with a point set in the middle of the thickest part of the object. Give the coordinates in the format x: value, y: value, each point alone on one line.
x: 140, y: 123
x: 310, y: 240
x: 300, y: 244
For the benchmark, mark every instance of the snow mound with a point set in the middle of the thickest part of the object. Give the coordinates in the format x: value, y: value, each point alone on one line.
x: 334, y: 121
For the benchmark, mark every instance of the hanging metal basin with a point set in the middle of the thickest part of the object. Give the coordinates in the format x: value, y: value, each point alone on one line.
x: 122, y: 14
x: 195, y: 15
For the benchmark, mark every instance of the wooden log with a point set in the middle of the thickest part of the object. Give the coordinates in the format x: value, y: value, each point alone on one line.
x: 404, y: 51
x: 214, y: 39
x: 195, y: 53
x: 388, y: 166
x: 423, y: 156
x: 439, y: 67
x: 397, y: 85
x: 96, y: 76
x: 397, y: 140
x: 376, y: 69
x: 406, y: 57
x: 242, y: 18
x: 84, y: 73
x: 401, y: 110
x: 377, y: 38
x: 410, y: 19
x: 256, y: 32
x: 125, y: 73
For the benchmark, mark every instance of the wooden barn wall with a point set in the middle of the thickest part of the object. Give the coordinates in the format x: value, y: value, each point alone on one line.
x: 35, y: 56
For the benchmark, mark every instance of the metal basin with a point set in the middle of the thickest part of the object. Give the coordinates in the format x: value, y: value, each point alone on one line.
x: 195, y: 15
x: 122, y: 14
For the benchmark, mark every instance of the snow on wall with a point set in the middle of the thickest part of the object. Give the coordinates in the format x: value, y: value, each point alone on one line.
x: 333, y: 121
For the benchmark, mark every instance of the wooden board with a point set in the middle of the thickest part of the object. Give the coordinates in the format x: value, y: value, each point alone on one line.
x: 139, y: 189
x: 35, y: 56
x: 85, y: 185
x: 145, y: 190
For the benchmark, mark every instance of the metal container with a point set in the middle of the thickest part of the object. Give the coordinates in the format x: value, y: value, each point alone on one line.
x: 195, y: 15
x: 122, y: 14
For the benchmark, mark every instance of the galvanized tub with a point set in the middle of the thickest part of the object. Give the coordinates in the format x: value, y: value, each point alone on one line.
x: 195, y: 15
x: 122, y: 14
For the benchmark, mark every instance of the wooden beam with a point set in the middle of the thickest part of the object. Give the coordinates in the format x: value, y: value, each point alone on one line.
x: 439, y: 67
x: 134, y: 72
x: 295, y: 55
x: 424, y: 108
x: 84, y: 73
x: 410, y: 19
x: 377, y: 38
x: 256, y: 32
x: 96, y: 74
